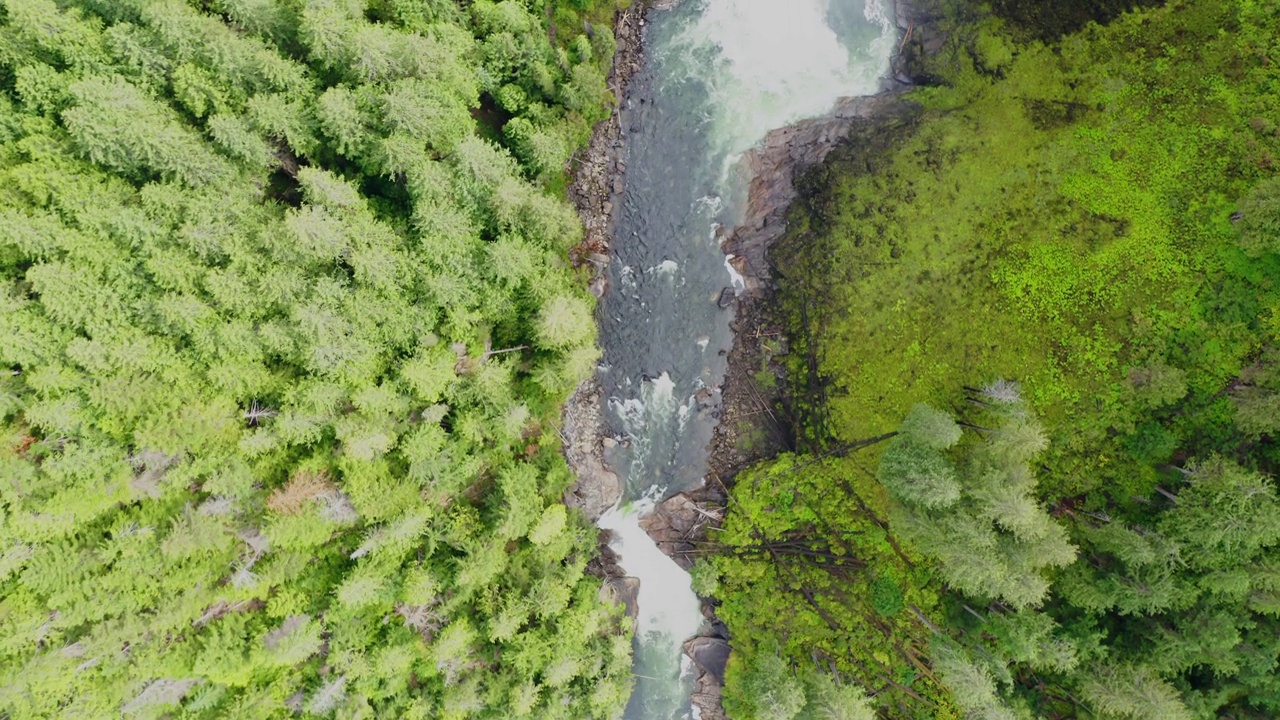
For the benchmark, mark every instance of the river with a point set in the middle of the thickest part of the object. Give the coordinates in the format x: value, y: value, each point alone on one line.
x: 717, y: 76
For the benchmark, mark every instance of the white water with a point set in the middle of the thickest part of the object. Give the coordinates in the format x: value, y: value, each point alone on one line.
x: 669, y: 611
x: 719, y: 75
x: 779, y: 61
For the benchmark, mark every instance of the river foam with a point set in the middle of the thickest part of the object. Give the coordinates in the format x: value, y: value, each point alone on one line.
x: 773, y: 62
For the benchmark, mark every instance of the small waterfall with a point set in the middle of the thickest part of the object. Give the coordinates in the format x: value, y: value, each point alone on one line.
x: 718, y: 76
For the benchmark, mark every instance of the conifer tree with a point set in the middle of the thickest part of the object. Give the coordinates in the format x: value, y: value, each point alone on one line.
x: 258, y: 458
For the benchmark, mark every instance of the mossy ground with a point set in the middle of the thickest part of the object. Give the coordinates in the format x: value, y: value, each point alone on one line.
x: 1060, y: 214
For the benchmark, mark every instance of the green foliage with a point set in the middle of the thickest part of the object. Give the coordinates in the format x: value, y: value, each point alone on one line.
x: 971, y: 684
x: 262, y: 454
x: 1134, y: 693
x: 1224, y: 513
x: 705, y: 578
x: 1260, y: 219
x: 1094, y: 214
x: 809, y: 571
x: 770, y: 690
x: 984, y: 526
x: 827, y: 700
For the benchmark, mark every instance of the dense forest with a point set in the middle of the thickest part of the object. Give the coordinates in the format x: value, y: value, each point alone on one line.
x: 286, y: 323
x: 1034, y: 373
x: 288, y: 319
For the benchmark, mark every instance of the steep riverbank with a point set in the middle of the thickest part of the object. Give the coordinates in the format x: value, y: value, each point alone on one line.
x: 1022, y: 216
x: 754, y: 425
x: 754, y: 421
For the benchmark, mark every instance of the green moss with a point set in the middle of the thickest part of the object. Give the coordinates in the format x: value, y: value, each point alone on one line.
x: 1056, y: 226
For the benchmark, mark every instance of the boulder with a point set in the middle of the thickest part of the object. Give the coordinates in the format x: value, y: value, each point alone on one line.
x: 726, y: 298
x: 677, y: 522
x: 710, y: 655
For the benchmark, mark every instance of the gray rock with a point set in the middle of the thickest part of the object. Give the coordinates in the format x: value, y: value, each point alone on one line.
x: 726, y: 298
x: 597, y: 488
x: 710, y: 655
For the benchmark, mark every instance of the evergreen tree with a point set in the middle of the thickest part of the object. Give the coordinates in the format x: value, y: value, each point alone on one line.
x: 259, y: 461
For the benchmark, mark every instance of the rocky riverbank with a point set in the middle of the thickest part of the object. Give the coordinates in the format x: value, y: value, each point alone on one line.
x: 752, y: 424
x: 597, y: 184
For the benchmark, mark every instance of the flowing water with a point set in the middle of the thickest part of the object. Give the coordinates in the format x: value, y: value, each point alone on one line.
x: 718, y: 76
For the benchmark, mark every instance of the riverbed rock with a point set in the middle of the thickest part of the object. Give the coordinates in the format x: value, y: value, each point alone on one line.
x: 709, y: 654
x: 726, y: 298
x: 597, y: 488
x: 678, y: 523
x: 710, y: 657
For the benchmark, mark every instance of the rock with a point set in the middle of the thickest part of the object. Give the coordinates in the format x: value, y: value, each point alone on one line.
x: 599, y: 285
x: 710, y: 655
x: 726, y: 298
x: 617, y: 186
x: 679, y: 520
x: 597, y: 488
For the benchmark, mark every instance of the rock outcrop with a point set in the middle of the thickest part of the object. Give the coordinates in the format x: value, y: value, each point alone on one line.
x: 710, y: 656
x: 788, y: 152
x: 680, y: 521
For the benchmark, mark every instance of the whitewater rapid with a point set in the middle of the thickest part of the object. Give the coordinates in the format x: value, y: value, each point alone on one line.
x: 718, y: 75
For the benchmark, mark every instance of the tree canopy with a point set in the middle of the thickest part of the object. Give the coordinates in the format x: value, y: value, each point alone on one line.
x: 1090, y: 210
x: 287, y: 320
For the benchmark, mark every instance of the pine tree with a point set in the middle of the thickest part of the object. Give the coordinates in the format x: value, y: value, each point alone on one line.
x: 1133, y: 692
x: 1225, y: 514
